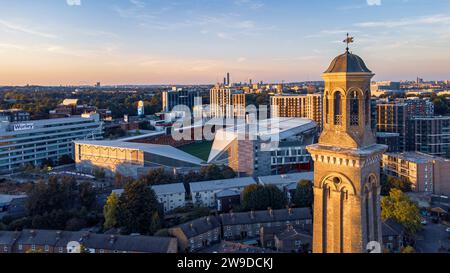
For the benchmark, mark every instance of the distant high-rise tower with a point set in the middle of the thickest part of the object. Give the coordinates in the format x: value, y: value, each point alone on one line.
x: 228, y: 79
x: 347, y: 162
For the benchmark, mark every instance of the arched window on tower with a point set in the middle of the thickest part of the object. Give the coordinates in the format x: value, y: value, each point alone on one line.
x: 337, y: 108
x: 354, y: 108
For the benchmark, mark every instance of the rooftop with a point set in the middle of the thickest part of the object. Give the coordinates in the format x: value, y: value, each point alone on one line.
x: 221, y: 184
x: 264, y: 216
x: 348, y: 63
x: 286, y: 179
x: 416, y: 157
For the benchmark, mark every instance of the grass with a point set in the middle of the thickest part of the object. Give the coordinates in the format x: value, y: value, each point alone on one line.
x: 199, y: 149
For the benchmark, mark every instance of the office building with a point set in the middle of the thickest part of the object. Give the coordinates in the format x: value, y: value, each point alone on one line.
x: 226, y: 102
x: 33, y: 142
x: 426, y: 173
x: 178, y: 96
x: 298, y: 106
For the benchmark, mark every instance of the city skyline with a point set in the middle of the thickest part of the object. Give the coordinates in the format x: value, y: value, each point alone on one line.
x: 80, y: 42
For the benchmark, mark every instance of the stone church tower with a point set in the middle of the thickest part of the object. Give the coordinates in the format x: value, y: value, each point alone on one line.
x: 346, y: 162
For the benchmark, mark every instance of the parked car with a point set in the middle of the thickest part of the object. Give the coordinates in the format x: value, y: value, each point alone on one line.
x: 448, y: 230
x: 424, y: 222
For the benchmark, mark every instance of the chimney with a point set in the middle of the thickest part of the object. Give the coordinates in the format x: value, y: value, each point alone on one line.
x: 58, y: 235
x: 32, y: 233
x: 270, y: 212
x: 290, y: 211
x: 231, y: 214
x: 252, y: 214
x: 191, y: 226
x: 208, y: 220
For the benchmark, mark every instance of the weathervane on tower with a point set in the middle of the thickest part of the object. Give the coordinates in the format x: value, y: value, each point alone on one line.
x: 348, y: 41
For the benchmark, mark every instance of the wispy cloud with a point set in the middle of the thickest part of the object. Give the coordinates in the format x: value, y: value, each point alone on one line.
x: 425, y: 20
x: 23, y: 29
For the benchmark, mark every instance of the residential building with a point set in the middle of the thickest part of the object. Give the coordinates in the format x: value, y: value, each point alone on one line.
x: 298, y: 106
x: 393, y: 236
x: 71, y: 107
x: 205, y: 193
x: 54, y: 241
x: 239, y: 226
x: 426, y: 173
x: 419, y: 106
x: 228, y: 199
x: 226, y: 102
x: 286, y: 182
x: 197, y: 234
x: 392, y: 140
x: 393, y: 118
x: 430, y: 135
x: 273, y: 146
x: 171, y: 196
x: 33, y: 142
x: 130, y: 158
x: 179, y: 96
x: 292, y: 240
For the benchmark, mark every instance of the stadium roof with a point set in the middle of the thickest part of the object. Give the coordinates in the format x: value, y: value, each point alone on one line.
x: 161, y: 150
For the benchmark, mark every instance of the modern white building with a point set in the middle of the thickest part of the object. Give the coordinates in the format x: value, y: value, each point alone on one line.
x: 34, y: 141
x: 171, y: 196
x: 273, y: 146
x: 204, y: 193
x: 286, y: 181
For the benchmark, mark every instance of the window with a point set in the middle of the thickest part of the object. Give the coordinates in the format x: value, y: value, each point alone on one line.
x: 60, y: 250
x: 33, y: 247
x: 354, y: 108
x: 337, y: 108
x: 46, y: 248
x: 20, y: 247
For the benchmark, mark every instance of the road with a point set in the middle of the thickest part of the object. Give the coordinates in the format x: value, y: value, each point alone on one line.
x: 431, y: 238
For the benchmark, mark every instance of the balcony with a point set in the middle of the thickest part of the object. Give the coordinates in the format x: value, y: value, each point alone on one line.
x: 354, y: 120
x: 338, y: 120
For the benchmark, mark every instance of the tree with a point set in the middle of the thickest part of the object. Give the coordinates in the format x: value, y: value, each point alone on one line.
x: 408, y: 249
x: 65, y: 160
x: 158, y: 177
x: 137, y: 204
x: 110, y: 211
x: 390, y: 182
x: 258, y: 197
x: 99, y: 174
x: 399, y: 207
x: 303, y: 196
x: 87, y: 195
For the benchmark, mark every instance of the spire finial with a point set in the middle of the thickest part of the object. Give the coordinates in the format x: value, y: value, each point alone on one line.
x: 348, y: 41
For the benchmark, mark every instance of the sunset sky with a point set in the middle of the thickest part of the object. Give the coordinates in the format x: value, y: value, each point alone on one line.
x: 77, y: 42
